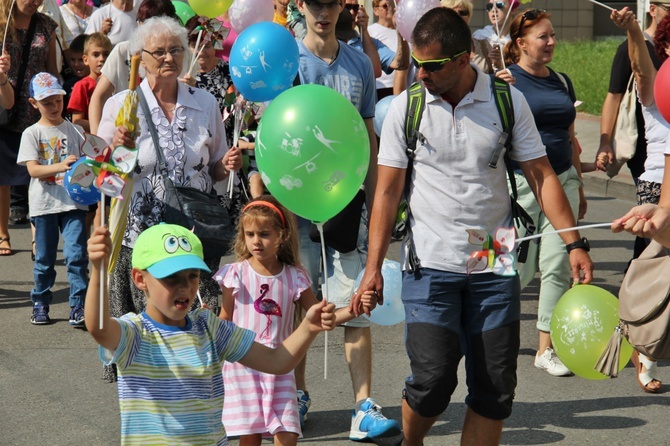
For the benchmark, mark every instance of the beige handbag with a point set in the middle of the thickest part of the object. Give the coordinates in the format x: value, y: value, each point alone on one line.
x: 625, y: 130
x: 643, y: 302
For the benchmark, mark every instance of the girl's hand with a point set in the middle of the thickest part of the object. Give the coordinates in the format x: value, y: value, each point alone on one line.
x: 506, y: 75
x: 369, y: 301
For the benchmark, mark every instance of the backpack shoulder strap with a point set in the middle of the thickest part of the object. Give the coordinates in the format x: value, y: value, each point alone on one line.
x: 503, y: 100
x: 416, y: 100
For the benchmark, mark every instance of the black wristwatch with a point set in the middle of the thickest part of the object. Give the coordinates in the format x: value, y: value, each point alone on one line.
x: 583, y: 243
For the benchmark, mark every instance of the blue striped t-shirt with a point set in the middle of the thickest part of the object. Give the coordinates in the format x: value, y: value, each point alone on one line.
x: 170, y: 382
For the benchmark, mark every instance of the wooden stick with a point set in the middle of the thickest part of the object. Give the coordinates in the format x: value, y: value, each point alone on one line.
x: 197, y: 42
x: 103, y: 267
x: 603, y: 5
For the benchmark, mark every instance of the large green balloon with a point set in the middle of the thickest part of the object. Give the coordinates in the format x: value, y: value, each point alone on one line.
x: 210, y: 8
x: 312, y: 151
x: 183, y: 10
x: 583, y: 321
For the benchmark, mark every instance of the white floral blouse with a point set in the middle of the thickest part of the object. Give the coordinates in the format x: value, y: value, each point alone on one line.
x: 191, y: 144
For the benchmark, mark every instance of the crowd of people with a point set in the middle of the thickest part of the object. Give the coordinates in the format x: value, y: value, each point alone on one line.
x: 65, y: 71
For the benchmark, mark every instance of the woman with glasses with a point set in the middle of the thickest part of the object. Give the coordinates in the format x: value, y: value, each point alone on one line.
x: 657, y: 134
x: 551, y: 99
x: 489, y: 40
x: 191, y: 136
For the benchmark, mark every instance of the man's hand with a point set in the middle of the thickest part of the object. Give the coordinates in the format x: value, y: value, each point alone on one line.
x: 581, y: 265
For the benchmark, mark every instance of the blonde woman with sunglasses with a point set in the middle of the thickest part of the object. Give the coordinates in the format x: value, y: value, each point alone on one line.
x: 489, y: 40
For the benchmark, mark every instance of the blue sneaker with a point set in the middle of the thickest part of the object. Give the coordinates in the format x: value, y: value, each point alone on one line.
x: 304, y: 402
x: 40, y: 315
x: 77, y: 316
x: 369, y: 423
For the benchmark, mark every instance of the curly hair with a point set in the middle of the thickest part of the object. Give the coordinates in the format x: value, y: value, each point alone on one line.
x: 518, y: 30
x: 662, y: 38
x: 288, y: 251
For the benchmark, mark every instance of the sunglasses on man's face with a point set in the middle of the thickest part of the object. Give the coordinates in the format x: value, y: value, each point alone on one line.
x: 352, y: 7
x: 498, y: 5
x: 434, y: 65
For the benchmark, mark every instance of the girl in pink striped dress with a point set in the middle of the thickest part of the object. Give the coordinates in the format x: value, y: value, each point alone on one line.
x: 259, y: 293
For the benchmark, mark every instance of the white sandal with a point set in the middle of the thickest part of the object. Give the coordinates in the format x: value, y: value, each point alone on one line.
x: 644, y: 378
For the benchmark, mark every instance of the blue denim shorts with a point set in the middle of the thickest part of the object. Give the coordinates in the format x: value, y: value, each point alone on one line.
x: 451, y: 315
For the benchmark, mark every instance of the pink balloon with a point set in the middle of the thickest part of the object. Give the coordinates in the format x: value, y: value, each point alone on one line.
x: 409, y: 12
x: 244, y: 13
x: 228, y: 41
x: 661, y: 85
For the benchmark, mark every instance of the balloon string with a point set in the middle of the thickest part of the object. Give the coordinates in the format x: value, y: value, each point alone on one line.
x: 324, y: 289
x: 4, y: 37
x: 574, y: 228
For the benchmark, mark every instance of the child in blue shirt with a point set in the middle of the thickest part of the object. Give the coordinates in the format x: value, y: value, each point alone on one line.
x: 169, y: 360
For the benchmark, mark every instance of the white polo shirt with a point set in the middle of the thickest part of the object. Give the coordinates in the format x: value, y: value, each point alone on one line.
x: 453, y: 188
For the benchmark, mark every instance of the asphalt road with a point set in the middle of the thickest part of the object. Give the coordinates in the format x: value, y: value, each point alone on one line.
x: 51, y: 390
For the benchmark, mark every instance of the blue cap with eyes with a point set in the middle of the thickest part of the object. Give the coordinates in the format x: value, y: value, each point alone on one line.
x: 165, y: 249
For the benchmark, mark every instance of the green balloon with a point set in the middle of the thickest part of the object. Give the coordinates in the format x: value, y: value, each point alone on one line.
x: 184, y: 11
x: 583, y: 321
x: 312, y: 151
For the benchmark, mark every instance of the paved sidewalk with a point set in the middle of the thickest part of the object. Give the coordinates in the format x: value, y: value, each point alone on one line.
x: 621, y: 186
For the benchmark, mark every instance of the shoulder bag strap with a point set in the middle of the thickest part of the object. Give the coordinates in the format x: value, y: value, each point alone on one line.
x: 162, y: 164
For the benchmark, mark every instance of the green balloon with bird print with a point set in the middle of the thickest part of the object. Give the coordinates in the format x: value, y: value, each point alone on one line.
x: 313, y: 151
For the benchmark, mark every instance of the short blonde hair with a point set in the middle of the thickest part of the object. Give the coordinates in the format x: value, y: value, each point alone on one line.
x: 452, y: 4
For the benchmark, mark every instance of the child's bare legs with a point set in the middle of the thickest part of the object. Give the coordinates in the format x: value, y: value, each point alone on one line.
x: 286, y: 439
x: 251, y: 440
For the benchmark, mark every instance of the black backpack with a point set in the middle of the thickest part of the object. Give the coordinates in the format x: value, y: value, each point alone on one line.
x: 416, y: 98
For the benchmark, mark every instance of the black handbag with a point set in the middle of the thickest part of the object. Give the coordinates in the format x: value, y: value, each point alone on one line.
x: 341, y: 231
x: 192, y: 208
x: 6, y: 115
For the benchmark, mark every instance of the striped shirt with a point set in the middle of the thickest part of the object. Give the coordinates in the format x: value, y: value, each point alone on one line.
x: 170, y: 383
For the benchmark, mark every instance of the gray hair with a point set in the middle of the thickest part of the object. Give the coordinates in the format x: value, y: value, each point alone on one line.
x: 157, y: 28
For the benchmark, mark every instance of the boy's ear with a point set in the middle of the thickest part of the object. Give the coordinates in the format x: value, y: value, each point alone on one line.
x: 33, y: 102
x: 138, y: 279
x: 84, y: 57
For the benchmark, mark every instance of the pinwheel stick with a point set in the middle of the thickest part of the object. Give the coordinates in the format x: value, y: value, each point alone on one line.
x: 239, y: 111
x: 595, y: 225
x: 602, y: 4
x: 196, y: 53
x: 319, y: 226
x: 103, y: 266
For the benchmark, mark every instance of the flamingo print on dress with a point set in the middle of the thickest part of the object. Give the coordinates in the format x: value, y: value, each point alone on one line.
x: 268, y: 307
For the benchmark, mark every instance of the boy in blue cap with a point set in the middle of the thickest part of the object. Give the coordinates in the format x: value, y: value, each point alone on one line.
x: 48, y: 149
x: 169, y: 360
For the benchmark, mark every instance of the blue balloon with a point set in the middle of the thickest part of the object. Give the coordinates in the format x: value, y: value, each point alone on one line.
x: 381, y: 109
x: 264, y: 61
x: 80, y: 194
x: 392, y: 311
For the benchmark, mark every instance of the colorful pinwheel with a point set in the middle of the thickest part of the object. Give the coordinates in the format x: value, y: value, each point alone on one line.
x: 496, y: 254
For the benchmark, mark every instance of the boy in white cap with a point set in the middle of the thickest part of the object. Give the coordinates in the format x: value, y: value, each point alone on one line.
x: 48, y: 149
x: 169, y: 360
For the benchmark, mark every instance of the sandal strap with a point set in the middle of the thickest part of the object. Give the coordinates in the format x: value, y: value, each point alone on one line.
x: 4, y: 239
x: 650, y: 375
